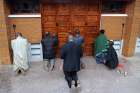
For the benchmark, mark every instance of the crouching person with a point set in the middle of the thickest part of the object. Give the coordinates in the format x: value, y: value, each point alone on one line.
x: 101, y: 46
x: 20, y: 54
x: 71, y: 54
x: 111, y: 57
x: 48, y: 52
x: 112, y: 61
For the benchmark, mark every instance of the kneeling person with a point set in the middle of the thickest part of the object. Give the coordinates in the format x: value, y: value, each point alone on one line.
x: 71, y: 54
x: 101, y: 46
x: 111, y: 57
x: 48, y: 52
x: 20, y: 54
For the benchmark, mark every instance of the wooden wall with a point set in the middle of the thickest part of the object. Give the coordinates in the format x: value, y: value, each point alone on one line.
x: 64, y: 17
x: 4, y: 39
x: 137, y: 15
x: 114, y: 26
x: 132, y: 22
x: 29, y: 27
x: 138, y: 29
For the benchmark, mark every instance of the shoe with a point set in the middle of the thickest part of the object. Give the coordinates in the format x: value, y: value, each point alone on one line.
x: 73, y: 84
x: 52, y: 68
x: 17, y: 72
x: 77, y: 84
x: 23, y: 72
x: 69, y: 84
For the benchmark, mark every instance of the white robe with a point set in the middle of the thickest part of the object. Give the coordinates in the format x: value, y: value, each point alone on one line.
x: 20, y: 53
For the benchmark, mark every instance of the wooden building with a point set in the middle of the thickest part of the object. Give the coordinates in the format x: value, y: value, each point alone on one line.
x: 35, y: 17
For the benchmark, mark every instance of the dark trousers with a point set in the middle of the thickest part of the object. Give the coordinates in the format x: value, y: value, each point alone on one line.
x: 69, y: 76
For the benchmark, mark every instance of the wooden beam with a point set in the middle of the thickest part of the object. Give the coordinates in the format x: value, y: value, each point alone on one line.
x: 130, y: 33
x: 4, y: 40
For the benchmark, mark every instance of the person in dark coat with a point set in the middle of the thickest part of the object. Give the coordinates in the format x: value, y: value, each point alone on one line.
x: 48, y: 51
x: 78, y: 38
x: 111, y: 57
x: 71, y: 53
x: 56, y: 41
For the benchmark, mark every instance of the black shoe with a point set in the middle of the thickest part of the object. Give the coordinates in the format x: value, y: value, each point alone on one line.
x: 69, y: 84
x: 76, y: 84
x: 52, y: 68
x: 19, y: 71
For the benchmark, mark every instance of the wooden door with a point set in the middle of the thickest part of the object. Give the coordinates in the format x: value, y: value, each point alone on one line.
x: 67, y: 15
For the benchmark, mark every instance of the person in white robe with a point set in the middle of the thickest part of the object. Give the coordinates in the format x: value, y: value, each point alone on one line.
x: 20, y: 54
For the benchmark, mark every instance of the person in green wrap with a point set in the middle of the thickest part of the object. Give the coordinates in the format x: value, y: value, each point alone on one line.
x: 101, y: 46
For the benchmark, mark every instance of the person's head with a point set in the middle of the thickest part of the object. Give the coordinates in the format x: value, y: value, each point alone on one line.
x: 70, y: 38
x: 47, y: 34
x: 111, y: 43
x: 102, y: 31
x: 18, y: 34
x: 54, y: 35
x: 77, y: 32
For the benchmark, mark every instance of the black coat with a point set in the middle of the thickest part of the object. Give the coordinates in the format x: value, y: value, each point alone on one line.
x: 71, y: 53
x: 111, y: 58
x: 48, y: 48
x: 56, y: 41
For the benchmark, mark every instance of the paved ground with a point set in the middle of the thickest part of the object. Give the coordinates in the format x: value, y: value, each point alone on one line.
x: 94, y: 79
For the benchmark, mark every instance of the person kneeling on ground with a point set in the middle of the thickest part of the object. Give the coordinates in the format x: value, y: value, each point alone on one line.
x: 48, y: 52
x: 111, y: 57
x: 112, y: 61
x: 101, y: 46
x: 71, y: 54
x: 20, y: 54
x: 79, y: 40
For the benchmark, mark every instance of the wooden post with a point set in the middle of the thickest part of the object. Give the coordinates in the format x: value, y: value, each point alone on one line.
x: 4, y: 40
x: 131, y: 32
